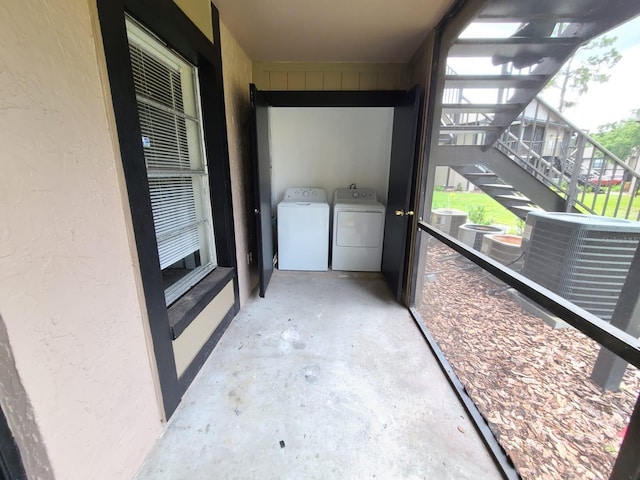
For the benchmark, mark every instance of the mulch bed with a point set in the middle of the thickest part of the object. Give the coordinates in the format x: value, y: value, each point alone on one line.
x: 529, y: 381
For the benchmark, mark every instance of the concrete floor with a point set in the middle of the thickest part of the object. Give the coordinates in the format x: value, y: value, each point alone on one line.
x: 328, y: 377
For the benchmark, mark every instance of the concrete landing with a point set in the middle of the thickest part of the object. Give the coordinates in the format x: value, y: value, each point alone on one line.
x: 328, y: 377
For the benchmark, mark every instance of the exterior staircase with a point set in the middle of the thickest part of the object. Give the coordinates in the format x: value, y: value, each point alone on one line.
x: 495, y: 131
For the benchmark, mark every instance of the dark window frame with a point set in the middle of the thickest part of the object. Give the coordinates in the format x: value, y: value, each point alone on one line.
x: 167, y: 21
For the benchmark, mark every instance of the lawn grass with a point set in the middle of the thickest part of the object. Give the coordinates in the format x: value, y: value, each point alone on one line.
x: 466, y: 201
x: 611, y: 204
x: 497, y: 214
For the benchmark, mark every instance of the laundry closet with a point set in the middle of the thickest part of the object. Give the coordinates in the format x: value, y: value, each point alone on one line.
x: 324, y: 163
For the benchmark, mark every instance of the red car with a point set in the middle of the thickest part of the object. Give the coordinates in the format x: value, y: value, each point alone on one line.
x: 607, y: 179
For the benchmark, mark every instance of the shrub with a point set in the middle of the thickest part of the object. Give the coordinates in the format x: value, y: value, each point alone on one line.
x: 478, y: 215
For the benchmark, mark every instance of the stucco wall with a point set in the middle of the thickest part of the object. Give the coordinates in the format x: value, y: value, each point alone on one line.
x: 199, y: 12
x: 69, y: 293
x: 237, y: 74
x: 237, y: 71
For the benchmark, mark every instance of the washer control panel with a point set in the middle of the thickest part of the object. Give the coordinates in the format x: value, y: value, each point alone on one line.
x: 357, y: 194
x: 305, y: 194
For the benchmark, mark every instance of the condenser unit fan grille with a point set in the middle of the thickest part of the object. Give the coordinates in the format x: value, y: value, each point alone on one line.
x: 586, y: 264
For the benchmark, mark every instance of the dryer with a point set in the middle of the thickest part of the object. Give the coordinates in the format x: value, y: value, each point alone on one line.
x: 303, y: 230
x: 358, y: 230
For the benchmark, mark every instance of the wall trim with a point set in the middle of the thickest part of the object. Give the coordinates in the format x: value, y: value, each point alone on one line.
x: 346, y: 98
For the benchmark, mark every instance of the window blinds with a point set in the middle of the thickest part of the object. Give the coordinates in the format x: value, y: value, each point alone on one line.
x: 171, y: 170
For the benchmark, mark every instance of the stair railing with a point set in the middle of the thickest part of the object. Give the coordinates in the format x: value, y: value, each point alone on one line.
x: 590, y: 177
x: 560, y: 155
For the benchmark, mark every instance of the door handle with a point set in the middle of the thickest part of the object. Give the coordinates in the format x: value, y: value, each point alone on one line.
x: 256, y: 211
x: 402, y: 213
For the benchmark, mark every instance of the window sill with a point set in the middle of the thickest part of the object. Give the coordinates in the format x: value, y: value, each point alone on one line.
x: 187, y: 307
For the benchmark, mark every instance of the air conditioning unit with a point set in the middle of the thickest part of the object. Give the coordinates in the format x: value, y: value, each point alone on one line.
x: 504, y: 248
x: 448, y: 220
x: 583, y: 258
x: 472, y: 233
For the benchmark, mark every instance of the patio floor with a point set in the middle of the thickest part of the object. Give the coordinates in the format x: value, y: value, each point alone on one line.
x: 327, y: 377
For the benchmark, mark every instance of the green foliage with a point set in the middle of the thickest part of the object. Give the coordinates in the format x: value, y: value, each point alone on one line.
x: 478, y: 214
x: 465, y: 201
x: 621, y: 138
x: 571, y: 79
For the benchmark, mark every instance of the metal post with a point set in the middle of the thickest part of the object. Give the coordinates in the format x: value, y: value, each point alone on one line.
x: 572, y: 189
x: 534, y: 127
x: 609, y: 368
x: 633, y: 163
x: 627, y: 466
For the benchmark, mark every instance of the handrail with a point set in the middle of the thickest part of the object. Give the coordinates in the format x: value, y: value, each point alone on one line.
x: 617, y: 341
x: 577, y: 129
x: 577, y: 175
x: 583, y: 185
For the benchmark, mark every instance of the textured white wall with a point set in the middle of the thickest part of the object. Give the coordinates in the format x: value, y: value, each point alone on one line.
x: 330, y: 148
x: 69, y: 292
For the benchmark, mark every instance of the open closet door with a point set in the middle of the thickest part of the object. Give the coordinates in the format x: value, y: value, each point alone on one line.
x: 262, y: 185
x: 400, y: 197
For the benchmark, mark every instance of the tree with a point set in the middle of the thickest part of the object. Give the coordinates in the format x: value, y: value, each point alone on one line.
x: 621, y: 138
x: 602, y: 56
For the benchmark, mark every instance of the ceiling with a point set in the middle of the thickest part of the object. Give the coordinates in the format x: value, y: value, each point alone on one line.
x: 331, y: 30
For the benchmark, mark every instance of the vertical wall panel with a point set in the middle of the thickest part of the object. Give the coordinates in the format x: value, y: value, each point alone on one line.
x: 314, y: 81
x: 261, y: 79
x: 350, y: 81
x: 368, y: 80
x: 387, y: 80
x: 402, y: 80
x: 330, y: 76
x: 295, y: 80
x: 277, y: 80
x: 332, y: 80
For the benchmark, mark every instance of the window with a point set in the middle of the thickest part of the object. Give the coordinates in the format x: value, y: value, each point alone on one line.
x: 167, y: 98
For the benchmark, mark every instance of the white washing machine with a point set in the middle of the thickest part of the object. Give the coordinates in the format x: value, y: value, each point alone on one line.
x: 303, y: 230
x: 358, y: 230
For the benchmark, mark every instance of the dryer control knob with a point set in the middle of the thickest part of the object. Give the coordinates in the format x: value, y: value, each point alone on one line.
x: 305, y: 193
x: 356, y: 194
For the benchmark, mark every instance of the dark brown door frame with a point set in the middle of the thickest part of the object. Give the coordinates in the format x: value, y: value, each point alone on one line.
x: 376, y: 98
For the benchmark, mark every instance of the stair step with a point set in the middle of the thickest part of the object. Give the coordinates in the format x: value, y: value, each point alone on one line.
x: 518, y: 198
x: 526, y: 208
x: 496, y: 186
x: 521, y: 15
x: 513, y: 47
x: 496, y: 81
x: 457, y: 108
x: 523, y: 12
x: 480, y: 174
x: 471, y: 129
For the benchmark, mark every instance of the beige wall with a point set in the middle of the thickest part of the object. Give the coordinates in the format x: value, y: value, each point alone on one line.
x: 237, y: 74
x: 199, y: 11
x: 69, y: 292
x: 330, y: 76
x: 189, y: 343
x: 237, y: 71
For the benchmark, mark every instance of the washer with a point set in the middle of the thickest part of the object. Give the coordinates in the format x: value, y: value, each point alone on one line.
x: 303, y: 230
x: 358, y: 230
